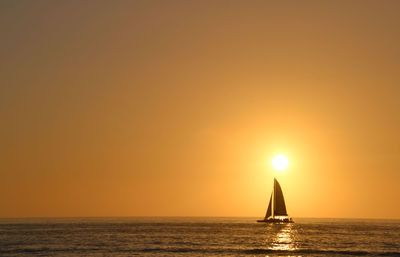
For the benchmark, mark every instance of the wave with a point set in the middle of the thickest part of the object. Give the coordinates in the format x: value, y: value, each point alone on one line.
x: 323, y: 252
x: 257, y: 251
x: 222, y: 251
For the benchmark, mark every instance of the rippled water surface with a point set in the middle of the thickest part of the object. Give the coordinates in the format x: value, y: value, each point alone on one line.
x: 197, y: 237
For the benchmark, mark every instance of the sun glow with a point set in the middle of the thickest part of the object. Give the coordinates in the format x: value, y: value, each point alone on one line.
x: 280, y: 162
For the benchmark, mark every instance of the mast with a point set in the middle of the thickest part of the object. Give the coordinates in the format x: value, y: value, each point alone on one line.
x: 273, y: 200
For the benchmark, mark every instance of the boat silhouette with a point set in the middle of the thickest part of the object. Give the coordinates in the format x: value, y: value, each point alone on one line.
x: 276, y: 212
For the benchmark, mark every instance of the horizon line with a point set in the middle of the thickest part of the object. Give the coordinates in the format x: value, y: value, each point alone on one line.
x: 177, y: 216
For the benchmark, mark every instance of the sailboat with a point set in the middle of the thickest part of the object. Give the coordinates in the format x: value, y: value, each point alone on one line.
x: 276, y: 212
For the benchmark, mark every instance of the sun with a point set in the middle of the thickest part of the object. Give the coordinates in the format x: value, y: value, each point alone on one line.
x: 280, y: 162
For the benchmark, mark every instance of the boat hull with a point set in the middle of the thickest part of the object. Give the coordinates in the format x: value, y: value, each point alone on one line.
x: 288, y: 220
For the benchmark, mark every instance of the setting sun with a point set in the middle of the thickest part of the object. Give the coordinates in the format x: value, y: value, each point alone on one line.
x: 280, y: 162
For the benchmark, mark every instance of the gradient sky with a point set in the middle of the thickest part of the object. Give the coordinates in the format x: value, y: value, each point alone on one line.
x: 176, y: 108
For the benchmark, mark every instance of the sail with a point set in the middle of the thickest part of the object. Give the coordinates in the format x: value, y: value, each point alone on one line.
x: 269, y: 208
x: 280, y: 207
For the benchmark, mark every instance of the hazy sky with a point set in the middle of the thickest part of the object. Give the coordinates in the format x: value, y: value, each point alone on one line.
x: 136, y: 108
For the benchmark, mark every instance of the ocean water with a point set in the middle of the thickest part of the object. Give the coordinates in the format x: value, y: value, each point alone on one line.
x: 197, y: 237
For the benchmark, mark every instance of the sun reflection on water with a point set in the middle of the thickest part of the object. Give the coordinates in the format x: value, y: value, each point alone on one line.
x: 281, y: 237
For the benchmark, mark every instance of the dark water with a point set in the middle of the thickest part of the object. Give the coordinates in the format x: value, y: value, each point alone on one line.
x: 197, y: 237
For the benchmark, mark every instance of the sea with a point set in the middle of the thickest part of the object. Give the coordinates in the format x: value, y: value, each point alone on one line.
x: 197, y: 237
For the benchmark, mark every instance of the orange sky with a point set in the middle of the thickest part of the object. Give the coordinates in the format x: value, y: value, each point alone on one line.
x: 175, y: 108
